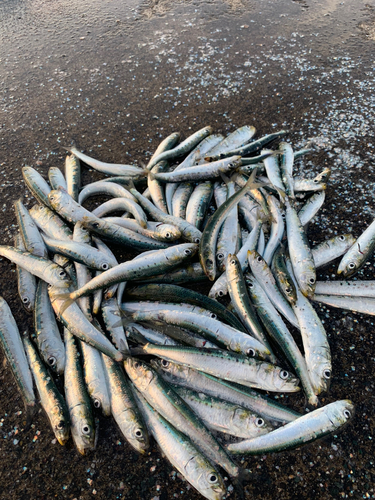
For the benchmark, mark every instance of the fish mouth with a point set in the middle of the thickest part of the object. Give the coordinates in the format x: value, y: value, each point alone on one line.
x: 62, y: 440
x: 218, y: 490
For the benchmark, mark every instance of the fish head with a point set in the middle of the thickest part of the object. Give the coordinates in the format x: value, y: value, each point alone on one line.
x: 205, y: 478
x: 232, y: 267
x: 254, y: 425
x: 256, y: 261
x: 320, y: 372
x: 140, y: 373
x: 27, y: 303
x: 102, y: 402
x: 136, y: 432
x: 289, y: 289
x: 349, y: 264
x: 307, y: 282
x: 340, y: 412
x: 59, y: 276
x: 167, y: 232
x: 60, y: 422
x: 57, y: 197
x: 277, y: 379
x: 182, y: 252
x: 56, y: 360
x: 83, y: 429
x: 171, y: 371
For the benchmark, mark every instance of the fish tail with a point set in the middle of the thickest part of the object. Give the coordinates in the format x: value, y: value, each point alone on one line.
x: 108, y: 294
x: 31, y: 410
x: 129, y: 184
x: 281, y: 193
x: 124, y: 349
x: 125, y: 319
x: 225, y: 178
x: 251, y: 183
x: 72, y: 149
x: 67, y: 299
x: 244, y: 476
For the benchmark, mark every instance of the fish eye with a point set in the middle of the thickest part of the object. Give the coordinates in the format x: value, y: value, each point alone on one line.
x: 230, y: 165
x: 97, y: 403
x: 233, y: 262
x: 105, y: 266
x: 315, y: 181
x: 259, y: 422
x: 284, y: 374
x: 311, y: 281
x: 51, y: 198
x: 209, y: 262
x: 26, y: 300
x: 213, y: 316
x: 220, y: 293
x: 51, y: 361
x: 60, y: 425
x: 187, y: 251
x: 168, y: 235
x: 288, y: 290
x: 95, y: 225
x: 342, y: 238
x: 327, y: 374
x: 220, y: 256
x: 197, y: 240
x: 62, y: 274
x: 283, y: 215
x: 251, y: 352
x: 138, y: 433
x: 212, y: 478
x: 164, y: 363
x: 86, y: 429
x: 351, y: 265
x: 250, y: 284
x: 136, y: 364
x: 259, y: 258
x: 347, y: 414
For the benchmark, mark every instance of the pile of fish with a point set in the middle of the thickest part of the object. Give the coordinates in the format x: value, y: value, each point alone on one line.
x: 140, y: 344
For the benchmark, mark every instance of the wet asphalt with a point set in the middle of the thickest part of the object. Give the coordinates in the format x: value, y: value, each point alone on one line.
x: 115, y: 78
